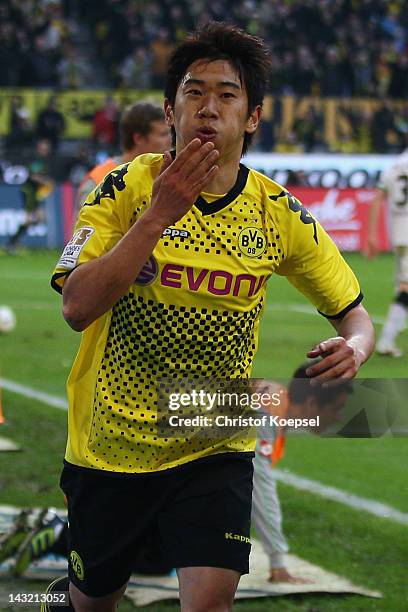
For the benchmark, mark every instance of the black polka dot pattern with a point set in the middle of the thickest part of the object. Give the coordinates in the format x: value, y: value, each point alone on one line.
x: 148, y: 340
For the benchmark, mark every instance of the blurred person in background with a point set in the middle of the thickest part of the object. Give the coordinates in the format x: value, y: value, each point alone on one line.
x: 71, y: 69
x: 40, y: 64
x: 51, y: 123
x: 160, y: 48
x: 78, y: 166
x: 300, y: 400
x: 37, y: 187
x: 105, y: 123
x: 393, y: 188
x: 10, y: 52
x: 135, y: 70
x: 20, y: 127
x: 383, y: 127
x: 142, y: 129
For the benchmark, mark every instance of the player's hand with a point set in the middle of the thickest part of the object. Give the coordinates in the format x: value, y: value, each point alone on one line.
x: 340, y: 361
x: 281, y: 574
x: 181, y: 181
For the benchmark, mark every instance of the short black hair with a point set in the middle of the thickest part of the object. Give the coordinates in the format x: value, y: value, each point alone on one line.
x: 217, y: 40
x: 137, y: 119
x: 300, y: 389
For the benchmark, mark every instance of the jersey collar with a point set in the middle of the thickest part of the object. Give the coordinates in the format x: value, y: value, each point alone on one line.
x: 208, y: 208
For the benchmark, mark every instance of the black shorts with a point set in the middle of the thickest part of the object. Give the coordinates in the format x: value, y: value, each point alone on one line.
x: 198, y: 514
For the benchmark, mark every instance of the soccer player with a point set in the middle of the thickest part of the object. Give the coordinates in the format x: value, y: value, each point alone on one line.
x: 48, y: 533
x: 142, y: 129
x: 34, y: 191
x: 299, y: 401
x: 393, y: 186
x: 165, y: 275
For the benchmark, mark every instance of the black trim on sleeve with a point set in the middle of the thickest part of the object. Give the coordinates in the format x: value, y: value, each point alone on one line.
x: 345, y: 310
x: 54, y: 278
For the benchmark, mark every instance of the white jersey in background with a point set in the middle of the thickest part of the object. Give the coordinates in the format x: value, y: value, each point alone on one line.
x: 394, y: 181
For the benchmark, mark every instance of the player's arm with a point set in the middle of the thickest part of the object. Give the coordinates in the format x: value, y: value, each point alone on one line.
x: 343, y: 355
x: 373, y: 218
x: 314, y: 265
x: 95, y: 286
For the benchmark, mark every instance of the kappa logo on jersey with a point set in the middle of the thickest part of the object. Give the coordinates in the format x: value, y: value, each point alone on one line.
x: 252, y: 242
x: 295, y: 206
x: 106, y: 189
x: 174, y: 232
x: 148, y: 273
x: 74, y: 247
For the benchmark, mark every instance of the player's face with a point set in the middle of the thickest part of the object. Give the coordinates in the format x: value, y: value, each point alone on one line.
x: 330, y: 412
x: 157, y: 140
x: 212, y: 104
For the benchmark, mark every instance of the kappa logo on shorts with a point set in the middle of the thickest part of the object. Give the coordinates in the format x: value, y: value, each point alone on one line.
x: 252, y: 242
x: 237, y: 537
x: 148, y: 273
x: 77, y: 565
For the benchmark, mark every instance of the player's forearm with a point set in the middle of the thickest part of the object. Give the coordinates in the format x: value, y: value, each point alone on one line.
x: 356, y: 327
x: 94, y: 287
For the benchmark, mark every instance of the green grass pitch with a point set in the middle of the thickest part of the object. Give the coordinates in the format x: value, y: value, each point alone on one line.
x: 368, y: 550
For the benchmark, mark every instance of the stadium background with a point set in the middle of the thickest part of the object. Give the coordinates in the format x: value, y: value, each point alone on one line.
x: 336, y: 114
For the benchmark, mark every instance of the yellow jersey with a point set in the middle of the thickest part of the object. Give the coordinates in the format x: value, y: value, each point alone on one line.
x: 193, y: 311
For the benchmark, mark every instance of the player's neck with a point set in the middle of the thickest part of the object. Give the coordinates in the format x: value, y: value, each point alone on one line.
x: 225, y: 178
x: 128, y: 156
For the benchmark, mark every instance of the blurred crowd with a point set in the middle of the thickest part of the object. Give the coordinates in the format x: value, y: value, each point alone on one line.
x: 314, y: 126
x: 381, y: 127
x: 37, y: 44
x: 320, y: 47
x: 344, y: 49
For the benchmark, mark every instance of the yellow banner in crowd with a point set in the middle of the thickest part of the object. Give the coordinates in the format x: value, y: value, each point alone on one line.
x: 339, y: 118
x: 77, y: 107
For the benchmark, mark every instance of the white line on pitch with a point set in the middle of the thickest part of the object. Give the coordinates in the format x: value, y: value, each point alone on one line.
x: 304, y: 484
x: 24, y: 276
x: 35, y: 306
x: 338, y: 495
x: 41, y: 396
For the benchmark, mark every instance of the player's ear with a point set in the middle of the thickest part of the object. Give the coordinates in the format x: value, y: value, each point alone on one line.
x: 168, y: 113
x: 136, y: 138
x: 253, y: 120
